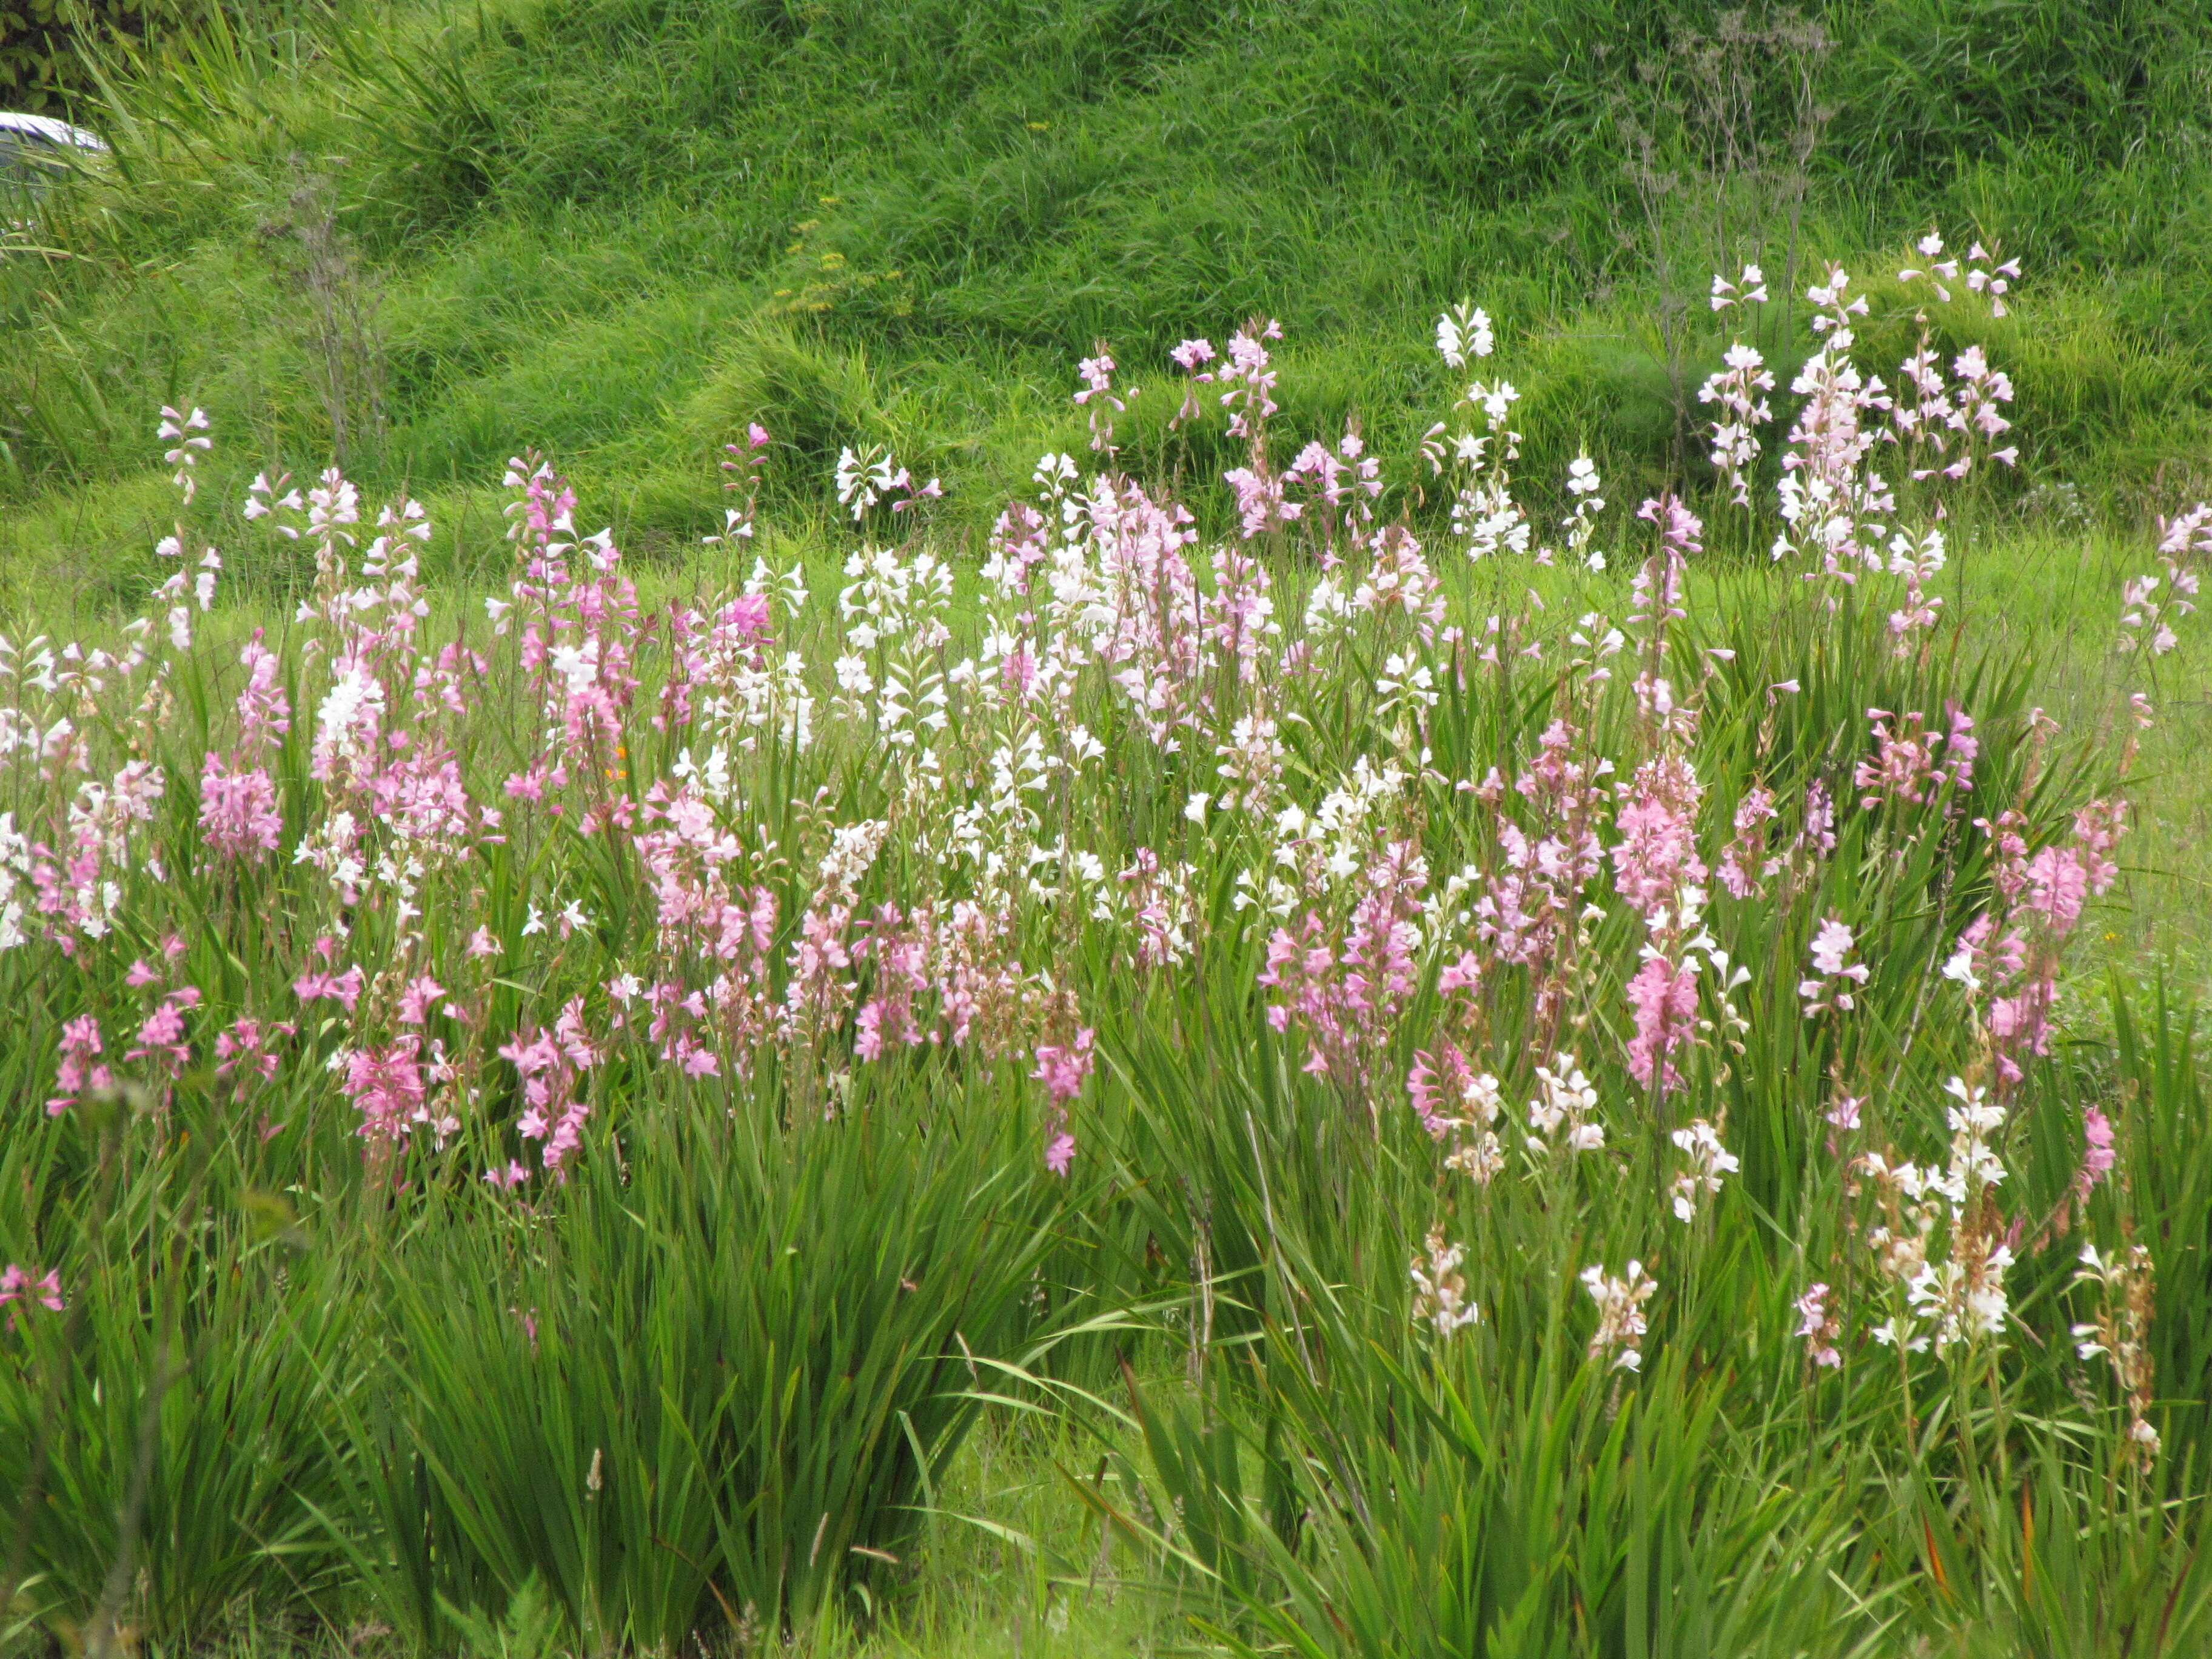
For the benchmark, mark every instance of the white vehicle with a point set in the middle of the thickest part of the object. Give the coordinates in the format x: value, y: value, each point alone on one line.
x: 33, y: 148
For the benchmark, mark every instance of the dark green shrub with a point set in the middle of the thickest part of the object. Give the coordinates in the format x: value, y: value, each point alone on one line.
x: 41, y: 59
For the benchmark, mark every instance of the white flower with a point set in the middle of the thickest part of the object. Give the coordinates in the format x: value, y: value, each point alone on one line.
x: 1709, y: 1161
x: 1621, y: 1324
x: 1463, y: 332
x: 1440, y: 1294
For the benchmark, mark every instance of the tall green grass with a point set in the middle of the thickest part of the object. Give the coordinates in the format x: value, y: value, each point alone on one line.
x: 717, y: 1382
x: 722, y: 1390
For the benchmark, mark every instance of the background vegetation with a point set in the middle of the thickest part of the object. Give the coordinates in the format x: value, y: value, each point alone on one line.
x: 613, y: 228
x: 42, y: 60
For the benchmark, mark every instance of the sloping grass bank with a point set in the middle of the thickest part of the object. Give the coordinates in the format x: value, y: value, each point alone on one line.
x: 619, y: 228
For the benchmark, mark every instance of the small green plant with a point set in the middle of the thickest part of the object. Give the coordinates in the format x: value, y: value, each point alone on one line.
x: 529, y: 1629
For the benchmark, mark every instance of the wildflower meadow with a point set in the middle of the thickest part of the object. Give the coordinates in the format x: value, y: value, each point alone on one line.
x: 1456, y: 1078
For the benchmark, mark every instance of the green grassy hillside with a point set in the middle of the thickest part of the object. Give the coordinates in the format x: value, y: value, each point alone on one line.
x: 615, y: 229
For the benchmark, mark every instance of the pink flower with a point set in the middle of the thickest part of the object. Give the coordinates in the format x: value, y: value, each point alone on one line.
x: 1831, y: 946
x: 161, y: 1038
x: 1430, y: 1079
x: 418, y: 1000
x: 697, y: 1061
x: 1060, y: 1153
x: 552, y: 1064
x: 244, y: 1048
x: 1657, y: 855
x: 1250, y: 379
x: 311, y: 985
x: 1347, y: 993
x: 1962, y: 746
x: 1260, y: 499
x: 27, y: 1285
x: 1098, y: 374
x: 900, y: 945
x: 263, y: 710
x: 1900, y: 767
x: 344, y: 990
x: 1738, y: 859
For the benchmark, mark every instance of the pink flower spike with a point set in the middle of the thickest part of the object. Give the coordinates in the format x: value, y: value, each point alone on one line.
x: 1664, y: 999
x: 239, y: 817
x: 388, y: 1088
x: 79, y: 1069
x: 1062, y: 1068
x: 2097, y: 1154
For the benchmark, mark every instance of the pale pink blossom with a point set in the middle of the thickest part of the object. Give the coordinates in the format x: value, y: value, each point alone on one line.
x: 1838, y: 976
x: 1818, y: 1328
